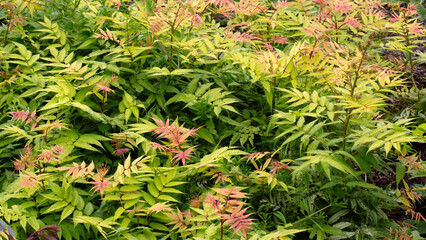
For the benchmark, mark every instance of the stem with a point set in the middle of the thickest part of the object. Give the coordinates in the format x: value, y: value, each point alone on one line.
x: 221, y: 229
x: 222, y: 221
x: 345, y: 128
x: 192, y: 22
x: 410, y: 54
x: 76, y: 4
x: 9, y: 26
x: 161, y: 45
x: 39, y: 172
x: 353, y: 86
x: 269, y: 22
x: 173, y: 29
x: 273, y: 95
x: 127, y: 33
x: 45, y: 135
x: 313, y: 47
x: 314, y: 137
x: 103, y: 102
x: 311, y: 215
x: 335, y: 26
x: 10, y: 237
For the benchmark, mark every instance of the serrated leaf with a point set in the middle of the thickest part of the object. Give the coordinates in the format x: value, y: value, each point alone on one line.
x: 148, y: 198
x: 33, y: 223
x: 206, y: 135
x: 153, y: 190
x: 293, y: 137
x: 56, y: 206
x: 171, y: 190
x: 33, y: 59
x: 88, y: 209
x: 361, y: 184
x: 131, y: 203
x: 127, y: 162
x: 111, y: 197
x: 130, y: 196
x: 52, y: 197
x: 129, y: 188
x: 172, y: 184
x: 375, y: 145
x: 66, y: 212
x: 170, y: 175
x: 22, y: 50
x: 119, y: 212
x: 400, y: 172
x: 181, y: 71
x: 95, y: 115
x: 335, y: 217
x: 158, y: 184
x: 159, y: 226
x: 87, y: 140
x: 86, y: 146
x: 23, y: 222
x: 167, y: 198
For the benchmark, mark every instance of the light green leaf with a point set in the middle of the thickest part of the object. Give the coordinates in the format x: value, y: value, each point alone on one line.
x: 56, y: 206
x: 148, y: 198
x: 159, y: 226
x: 181, y: 71
x: 167, y: 198
x: 119, y: 212
x: 130, y: 196
x: 95, y: 115
x: 66, y: 212
x: 33, y: 223
x: 153, y: 190
x: 171, y: 190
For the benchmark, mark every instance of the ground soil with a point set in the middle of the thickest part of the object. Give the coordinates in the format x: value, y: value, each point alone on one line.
x: 419, y: 69
x: 387, y: 177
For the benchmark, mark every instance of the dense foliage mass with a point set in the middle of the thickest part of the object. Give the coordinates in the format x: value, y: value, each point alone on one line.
x: 217, y: 119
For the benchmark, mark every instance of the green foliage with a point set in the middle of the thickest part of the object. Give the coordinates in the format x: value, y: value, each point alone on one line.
x: 87, y: 150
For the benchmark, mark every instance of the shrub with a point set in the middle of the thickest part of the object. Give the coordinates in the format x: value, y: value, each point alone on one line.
x: 89, y: 87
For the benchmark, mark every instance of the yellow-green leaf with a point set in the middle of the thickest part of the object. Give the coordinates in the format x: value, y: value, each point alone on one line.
x: 66, y: 212
x: 56, y: 206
